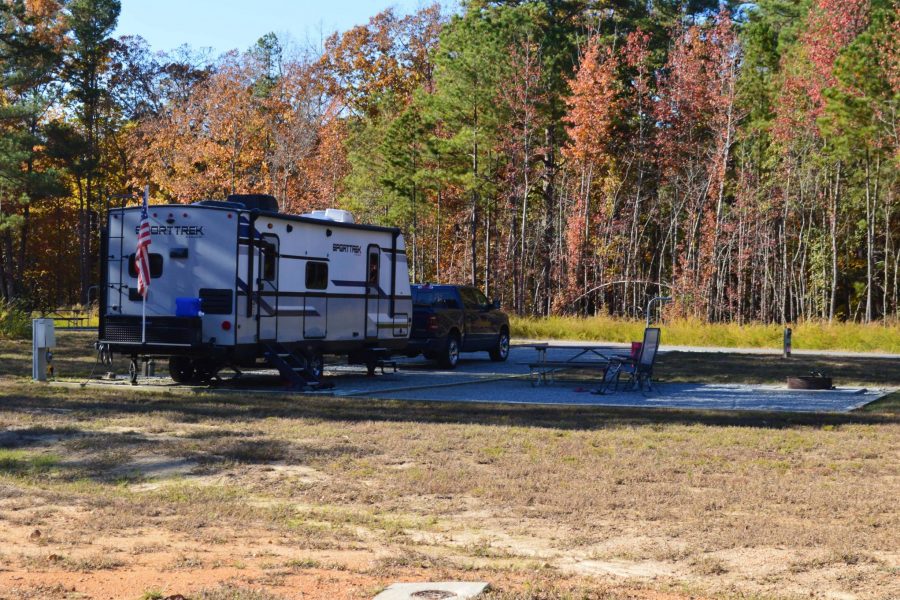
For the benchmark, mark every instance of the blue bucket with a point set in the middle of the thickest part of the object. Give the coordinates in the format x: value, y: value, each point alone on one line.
x: 187, y: 307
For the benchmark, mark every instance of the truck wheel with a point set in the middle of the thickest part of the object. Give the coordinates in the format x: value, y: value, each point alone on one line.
x: 449, y: 356
x: 181, y: 369
x: 500, y: 351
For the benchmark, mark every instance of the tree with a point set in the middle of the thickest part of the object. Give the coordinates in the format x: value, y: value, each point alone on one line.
x: 31, y: 42
x: 593, y: 110
x: 91, y: 22
x: 859, y: 117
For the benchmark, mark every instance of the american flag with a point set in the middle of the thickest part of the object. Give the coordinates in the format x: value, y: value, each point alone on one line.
x: 142, y: 256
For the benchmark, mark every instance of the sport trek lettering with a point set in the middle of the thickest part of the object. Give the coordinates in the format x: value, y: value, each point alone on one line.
x: 186, y: 230
x: 349, y: 248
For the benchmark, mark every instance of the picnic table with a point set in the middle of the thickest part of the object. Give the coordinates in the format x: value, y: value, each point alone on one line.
x: 69, y: 319
x: 587, y: 357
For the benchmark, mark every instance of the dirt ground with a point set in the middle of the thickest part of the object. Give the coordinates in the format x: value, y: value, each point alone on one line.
x: 112, y: 494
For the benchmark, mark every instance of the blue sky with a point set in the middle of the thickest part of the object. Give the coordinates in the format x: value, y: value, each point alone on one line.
x: 226, y: 24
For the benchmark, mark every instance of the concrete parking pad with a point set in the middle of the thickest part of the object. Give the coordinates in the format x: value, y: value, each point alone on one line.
x: 478, y: 379
x: 664, y: 395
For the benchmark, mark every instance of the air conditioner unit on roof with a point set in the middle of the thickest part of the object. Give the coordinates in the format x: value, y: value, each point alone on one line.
x: 332, y: 214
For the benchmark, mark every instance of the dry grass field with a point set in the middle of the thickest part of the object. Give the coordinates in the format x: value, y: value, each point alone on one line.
x: 111, y: 494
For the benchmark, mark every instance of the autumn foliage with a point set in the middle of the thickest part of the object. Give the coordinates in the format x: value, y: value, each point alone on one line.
x: 564, y: 158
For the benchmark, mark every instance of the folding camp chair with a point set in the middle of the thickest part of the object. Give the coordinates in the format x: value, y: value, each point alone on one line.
x: 639, y: 370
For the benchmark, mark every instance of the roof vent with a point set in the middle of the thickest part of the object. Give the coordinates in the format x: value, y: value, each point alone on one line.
x: 332, y: 214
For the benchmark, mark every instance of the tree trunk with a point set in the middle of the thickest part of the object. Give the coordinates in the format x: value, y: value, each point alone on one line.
x: 548, y: 192
x: 834, y: 260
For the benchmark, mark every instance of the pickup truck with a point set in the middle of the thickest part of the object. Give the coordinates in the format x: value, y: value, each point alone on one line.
x: 449, y: 319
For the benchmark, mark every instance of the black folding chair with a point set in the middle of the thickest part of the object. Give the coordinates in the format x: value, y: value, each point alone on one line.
x: 639, y: 370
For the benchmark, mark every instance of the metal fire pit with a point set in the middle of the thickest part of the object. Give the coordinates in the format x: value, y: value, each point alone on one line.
x: 810, y: 382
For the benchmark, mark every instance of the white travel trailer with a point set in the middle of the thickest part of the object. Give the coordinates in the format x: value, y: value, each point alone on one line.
x: 238, y: 284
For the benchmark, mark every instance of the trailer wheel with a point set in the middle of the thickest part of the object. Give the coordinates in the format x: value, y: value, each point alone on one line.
x: 449, y: 356
x: 315, y: 365
x: 181, y: 369
x: 133, y: 371
x: 204, y: 371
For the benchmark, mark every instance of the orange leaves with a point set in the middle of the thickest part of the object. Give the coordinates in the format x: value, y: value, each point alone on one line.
x: 593, y: 105
x: 384, y: 60
x: 320, y: 175
x: 229, y: 133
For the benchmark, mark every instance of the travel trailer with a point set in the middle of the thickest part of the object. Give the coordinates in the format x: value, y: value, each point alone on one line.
x: 236, y: 283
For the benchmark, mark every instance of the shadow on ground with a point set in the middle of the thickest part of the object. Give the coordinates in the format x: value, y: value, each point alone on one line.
x: 75, y: 358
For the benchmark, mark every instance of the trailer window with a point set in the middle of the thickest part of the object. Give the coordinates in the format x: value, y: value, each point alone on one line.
x: 216, y: 301
x: 316, y: 275
x: 268, y: 271
x: 373, y: 269
x: 156, y: 266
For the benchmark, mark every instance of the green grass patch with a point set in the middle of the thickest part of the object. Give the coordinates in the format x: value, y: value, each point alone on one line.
x: 21, y: 463
x: 810, y: 335
x: 890, y: 404
x: 15, y: 323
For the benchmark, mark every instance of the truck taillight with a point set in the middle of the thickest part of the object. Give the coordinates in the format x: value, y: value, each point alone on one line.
x: 432, y: 323
x: 226, y: 325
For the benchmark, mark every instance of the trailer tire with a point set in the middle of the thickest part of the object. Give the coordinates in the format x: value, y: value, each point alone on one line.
x: 204, y: 371
x: 315, y: 366
x: 181, y: 369
x: 449, y: 355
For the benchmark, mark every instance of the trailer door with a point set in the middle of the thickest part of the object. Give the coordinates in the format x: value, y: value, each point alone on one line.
x: 315, y: 305
x: 267, y: 288
x: 373, y: 290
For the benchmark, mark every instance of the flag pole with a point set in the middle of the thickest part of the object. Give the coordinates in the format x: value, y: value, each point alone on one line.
x: 146, y: 291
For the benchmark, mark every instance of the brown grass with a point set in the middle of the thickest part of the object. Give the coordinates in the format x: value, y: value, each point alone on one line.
x: 339, y: 497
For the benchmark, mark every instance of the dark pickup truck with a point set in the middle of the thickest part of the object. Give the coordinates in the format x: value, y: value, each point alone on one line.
x: 449, y: 319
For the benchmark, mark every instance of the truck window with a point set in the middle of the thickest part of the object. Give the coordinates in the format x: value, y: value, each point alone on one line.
x: 423, y: 297
x: 316, y: 275
x: 156, y: 266
x: 469, y: 298
x: 445, y: 299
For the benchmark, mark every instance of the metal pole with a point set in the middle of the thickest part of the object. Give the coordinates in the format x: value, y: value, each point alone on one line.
x: 656, y: 299
x: 146, y: 291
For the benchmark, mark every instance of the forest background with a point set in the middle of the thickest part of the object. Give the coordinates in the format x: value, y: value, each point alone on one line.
x: 567, y: 156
